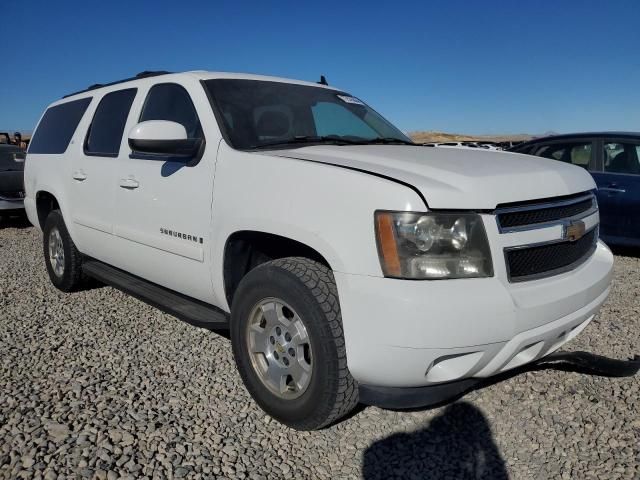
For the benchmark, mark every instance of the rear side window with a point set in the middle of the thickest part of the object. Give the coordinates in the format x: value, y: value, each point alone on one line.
x: 58, y: 126
x: 576, y: 153
x: 169, y: 101
x: 105, y: 133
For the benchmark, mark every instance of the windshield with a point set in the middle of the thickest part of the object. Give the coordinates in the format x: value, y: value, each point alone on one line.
x: 260, y: 114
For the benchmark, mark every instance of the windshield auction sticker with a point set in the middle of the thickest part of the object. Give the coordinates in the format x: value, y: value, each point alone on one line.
x: 352, y: 100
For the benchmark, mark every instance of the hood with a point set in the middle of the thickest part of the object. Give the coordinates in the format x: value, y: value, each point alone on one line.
x: 456, y: 178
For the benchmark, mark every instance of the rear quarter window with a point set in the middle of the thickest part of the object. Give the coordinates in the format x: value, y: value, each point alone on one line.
x: 57, y: 126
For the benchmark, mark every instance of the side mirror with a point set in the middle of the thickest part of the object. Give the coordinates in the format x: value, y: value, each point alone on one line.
x: 162, y: 137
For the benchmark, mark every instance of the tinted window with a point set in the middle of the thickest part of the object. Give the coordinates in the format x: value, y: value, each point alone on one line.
x: 105, y: 133
x: 168, y: 101
x: 575, y: 153
x: 58, y: 126
x: 621, y: 158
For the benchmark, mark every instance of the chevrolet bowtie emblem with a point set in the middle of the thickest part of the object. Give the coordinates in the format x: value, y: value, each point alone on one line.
x: 574, y: 231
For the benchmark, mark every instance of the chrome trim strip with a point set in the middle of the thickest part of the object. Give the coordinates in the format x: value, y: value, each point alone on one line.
x: 541, y: 206
x: 557, y: 271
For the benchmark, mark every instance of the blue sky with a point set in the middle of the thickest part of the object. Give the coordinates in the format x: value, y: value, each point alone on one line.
x: 459, y: 66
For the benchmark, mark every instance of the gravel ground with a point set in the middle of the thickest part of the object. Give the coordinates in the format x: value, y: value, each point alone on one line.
x: 99, y: 385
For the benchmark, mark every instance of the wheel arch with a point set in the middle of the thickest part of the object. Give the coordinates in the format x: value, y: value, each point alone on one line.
x: 244, y: 250
x: 46, y: 202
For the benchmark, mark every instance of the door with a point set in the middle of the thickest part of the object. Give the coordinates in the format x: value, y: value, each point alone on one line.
x: 93, y: 174
x: 618, y: 182
x: 163, y: 205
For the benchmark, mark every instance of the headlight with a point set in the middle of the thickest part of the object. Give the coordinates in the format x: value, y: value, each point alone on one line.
x: 432, y: 245
x: 19, y: 157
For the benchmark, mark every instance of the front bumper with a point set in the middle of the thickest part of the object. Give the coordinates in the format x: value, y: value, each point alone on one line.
x: 11, y: 189
x: 11, y: 204
x: 402, y: 333
x: 432, y: 395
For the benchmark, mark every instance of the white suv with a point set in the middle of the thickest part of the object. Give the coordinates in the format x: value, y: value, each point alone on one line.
x: 349, y: 264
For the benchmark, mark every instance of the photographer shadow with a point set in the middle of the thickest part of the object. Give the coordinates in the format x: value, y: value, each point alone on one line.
x: 457, y: 444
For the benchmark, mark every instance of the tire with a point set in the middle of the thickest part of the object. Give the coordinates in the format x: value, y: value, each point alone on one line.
x: 65, y: 271
x: 307, y: 292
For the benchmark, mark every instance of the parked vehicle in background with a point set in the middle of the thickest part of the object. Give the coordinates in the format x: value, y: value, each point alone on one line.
x: 613, y: 159
x: 349, y: 263
x: 16, y: 139
x: 485, y: 146
x: 11, y: 179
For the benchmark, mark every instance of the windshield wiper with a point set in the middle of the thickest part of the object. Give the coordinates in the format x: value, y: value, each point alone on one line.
x: 333, y: 140
x: 386, y: 141
x: 310, y: 139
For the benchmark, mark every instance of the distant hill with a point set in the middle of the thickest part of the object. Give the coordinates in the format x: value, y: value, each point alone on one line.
x: 439, y: 137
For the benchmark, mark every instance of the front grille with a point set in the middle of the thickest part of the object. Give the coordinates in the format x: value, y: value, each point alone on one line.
x: 532, y: 214
x: 529, y: 263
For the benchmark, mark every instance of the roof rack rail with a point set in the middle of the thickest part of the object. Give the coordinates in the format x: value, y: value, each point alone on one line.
x: 145, y: 74
x: 151, y: 73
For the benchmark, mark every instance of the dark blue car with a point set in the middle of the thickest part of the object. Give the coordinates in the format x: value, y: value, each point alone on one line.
x: 613, y: 159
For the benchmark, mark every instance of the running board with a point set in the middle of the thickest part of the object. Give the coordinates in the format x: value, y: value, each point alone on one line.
x: 191, y: 311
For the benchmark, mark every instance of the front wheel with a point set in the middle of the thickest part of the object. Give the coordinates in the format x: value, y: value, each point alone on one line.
x: 288, y: 343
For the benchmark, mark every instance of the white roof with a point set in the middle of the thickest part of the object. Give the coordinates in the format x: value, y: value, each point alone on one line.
x: 197, y: 74
x: 206, y: 75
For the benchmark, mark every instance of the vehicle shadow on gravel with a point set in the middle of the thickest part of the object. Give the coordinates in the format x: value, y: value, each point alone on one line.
x: 625, y: 251
x: 14, y: 221
x: 458, y: 443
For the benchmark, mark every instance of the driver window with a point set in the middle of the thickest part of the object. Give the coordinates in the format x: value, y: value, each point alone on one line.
x: 621, y: 158
x: 170, y: 101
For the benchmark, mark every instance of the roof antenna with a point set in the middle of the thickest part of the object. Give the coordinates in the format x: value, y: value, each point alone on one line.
x: 323, y: 80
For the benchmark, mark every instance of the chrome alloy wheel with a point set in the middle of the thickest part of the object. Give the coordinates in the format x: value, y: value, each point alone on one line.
x: 56, y: 252
x: 279, y: 348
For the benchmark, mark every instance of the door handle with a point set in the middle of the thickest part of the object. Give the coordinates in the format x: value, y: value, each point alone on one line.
x: 129, y: 183
x: 79, y: 176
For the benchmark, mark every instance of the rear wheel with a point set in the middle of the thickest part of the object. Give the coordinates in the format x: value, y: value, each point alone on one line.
x: 62, y: 258
x: 287, y: 338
